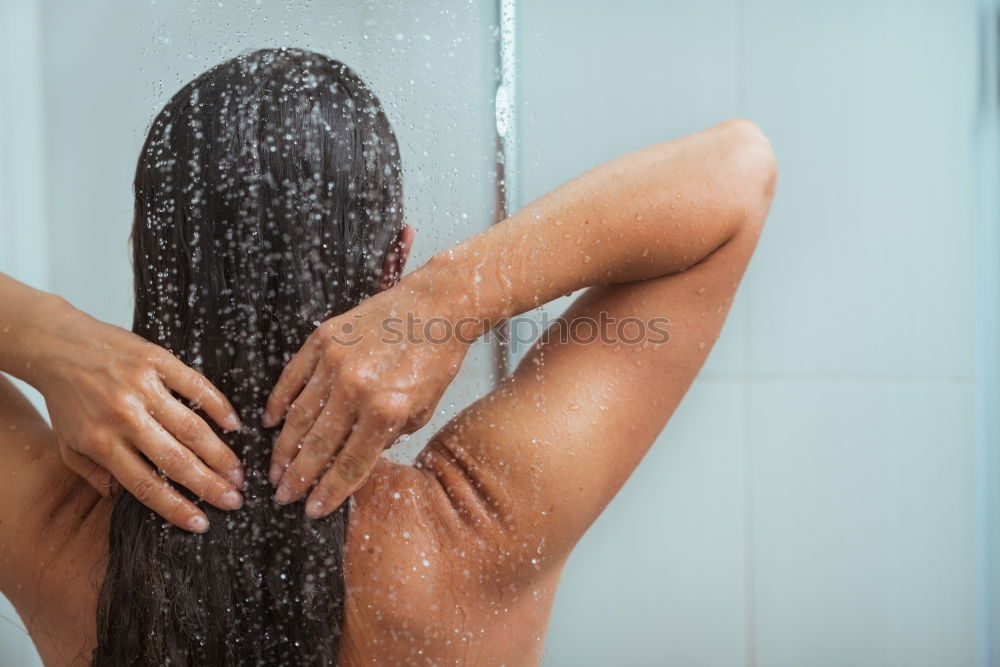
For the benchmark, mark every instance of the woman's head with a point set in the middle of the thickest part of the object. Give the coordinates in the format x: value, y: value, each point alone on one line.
x: 270, y: 183
x: 268, y: 198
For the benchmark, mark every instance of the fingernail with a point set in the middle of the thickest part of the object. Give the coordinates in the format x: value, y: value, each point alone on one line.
x: 198, y: 524
x: 314, y: 509
x: 284, y: 495
x: 266, y: 420
x: 274, y: 474
x: 232, y: 499
x: 237, y: 478
x: 232, y: 421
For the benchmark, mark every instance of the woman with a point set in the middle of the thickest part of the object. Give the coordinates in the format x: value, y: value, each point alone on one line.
x: 268, y: 201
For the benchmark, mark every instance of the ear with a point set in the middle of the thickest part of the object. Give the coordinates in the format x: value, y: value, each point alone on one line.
x: 395, y: 259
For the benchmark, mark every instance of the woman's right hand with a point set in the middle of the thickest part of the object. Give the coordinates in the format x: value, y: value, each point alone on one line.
x: 108, y: 392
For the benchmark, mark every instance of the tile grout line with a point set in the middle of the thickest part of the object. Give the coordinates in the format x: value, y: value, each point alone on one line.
x: 985, y: 281
x: 840, y: 378
x: 749, y: 560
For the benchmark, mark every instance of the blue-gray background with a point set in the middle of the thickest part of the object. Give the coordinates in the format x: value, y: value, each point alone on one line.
x: 823, y: 494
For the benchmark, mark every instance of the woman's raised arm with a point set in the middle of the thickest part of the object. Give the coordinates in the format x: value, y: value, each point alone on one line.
x: 652, y: 213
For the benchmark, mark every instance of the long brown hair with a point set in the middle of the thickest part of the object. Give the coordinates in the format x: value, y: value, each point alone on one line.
x: 266, y: 196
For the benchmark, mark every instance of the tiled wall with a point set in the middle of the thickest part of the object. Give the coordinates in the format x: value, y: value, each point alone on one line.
x: 813, y: 500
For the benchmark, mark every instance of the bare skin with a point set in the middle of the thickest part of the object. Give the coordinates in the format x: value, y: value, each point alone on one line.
x: 462, y: 566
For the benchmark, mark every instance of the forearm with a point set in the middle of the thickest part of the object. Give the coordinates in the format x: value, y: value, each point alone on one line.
x: 22, y: 309
x: 26, y: 316
x: 649, y: 213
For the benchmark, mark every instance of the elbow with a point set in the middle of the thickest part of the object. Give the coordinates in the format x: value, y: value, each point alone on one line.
x: 752, y: 168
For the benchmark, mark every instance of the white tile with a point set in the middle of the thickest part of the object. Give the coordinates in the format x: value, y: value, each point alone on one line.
x: 863, y: 526
x: 595, y: 83
x: 865, y: 263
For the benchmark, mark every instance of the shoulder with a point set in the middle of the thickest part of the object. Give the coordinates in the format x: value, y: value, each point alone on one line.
x: 428, y: 570
x: 413, y: 551
x: 53, y: 531
x: 406, y: 527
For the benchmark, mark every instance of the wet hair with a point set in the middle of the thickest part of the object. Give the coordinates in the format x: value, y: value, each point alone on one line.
x: 267, y: 195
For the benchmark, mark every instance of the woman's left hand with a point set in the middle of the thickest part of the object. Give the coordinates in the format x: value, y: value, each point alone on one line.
x: 108, y: 392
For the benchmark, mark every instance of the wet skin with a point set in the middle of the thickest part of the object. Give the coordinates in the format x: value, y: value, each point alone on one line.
x: 462, y: 565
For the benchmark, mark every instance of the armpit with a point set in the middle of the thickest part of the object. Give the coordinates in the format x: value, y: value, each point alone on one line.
x: 477, y: 501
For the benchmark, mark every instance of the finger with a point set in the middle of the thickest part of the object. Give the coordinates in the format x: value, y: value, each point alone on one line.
x: 195, y: 434
x: 179, y: 464
x: 319, y: 446
x: 301, y: 416
x: 195, y: 387
x: 150, y: 489
x: 90, y: 470
x: 350, y: 469
x: 293, y: 378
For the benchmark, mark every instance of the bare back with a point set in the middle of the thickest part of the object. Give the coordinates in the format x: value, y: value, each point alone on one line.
x: 419, y: 586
